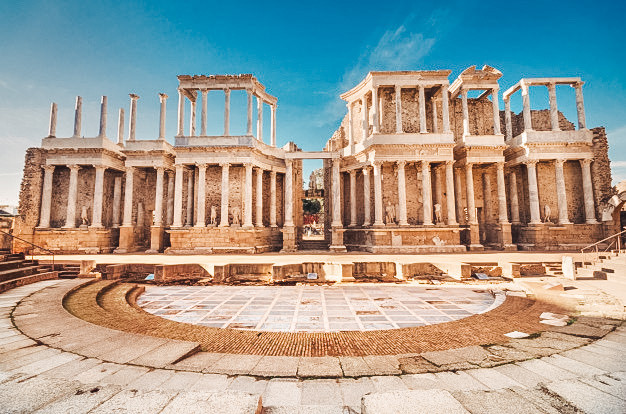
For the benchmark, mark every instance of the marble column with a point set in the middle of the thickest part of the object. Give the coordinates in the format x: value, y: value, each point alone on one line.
x: 471, y: 202
x: 554, y: 111
x: 201, y: 196
x: 70, y: 221
x: 561, y: 192
x: 226, y: 112
x: 247, y: 196
x: 249, y: 112
x: 533, y: 192
x: 225, y: 195
x: 78, y: 116
x: 378, y: 194
x: 445, y: 109
x: 502, y: 211
x: 203, y: 112
x: 181, y: 113
x: 336, y: 194
x: 102, y: 132
x: 435, y: 124
x: 52, y: 131
x: 528, y: 122
x: 451, y: 205
x: 352, y: 198
x: 590, y: 207
x: 158, y: 197
x: 422, y: 109
x: 259, y: 119
x: 496, y: 111
x: 120, y: 128
x: 192, y: 118
x: 163, y: 99
x: 514, y: 198
x: 288, y: 194
x: 466, y: 127
x: 169, y: 212
x: 375, y: 111
x: 487, y: 202
x: 46, y: 196
x: 507, y: 118
x: 402, y: 216
x: 98, y: 193
x: 177, y: 220
x: 364, y: 112
x: 458, y: 188
x: 398, y: 91
x: 366, y: 197
x: 133, y: 116
x: 273, y: 125
x: 427, y: 197
x: 350, y: 127
x: 259, y: 198
x: 273, y: 196
x: 117, y: 200
x: 580, y: 105
x: 190, y: 203
x: 128, y: 198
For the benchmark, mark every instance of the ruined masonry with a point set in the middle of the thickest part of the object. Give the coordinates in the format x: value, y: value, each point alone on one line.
x: 417, y: 165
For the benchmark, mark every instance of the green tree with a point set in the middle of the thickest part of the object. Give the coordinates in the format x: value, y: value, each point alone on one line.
x: 311, y: 206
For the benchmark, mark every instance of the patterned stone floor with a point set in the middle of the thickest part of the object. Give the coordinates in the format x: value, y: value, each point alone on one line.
x: 316, y: 308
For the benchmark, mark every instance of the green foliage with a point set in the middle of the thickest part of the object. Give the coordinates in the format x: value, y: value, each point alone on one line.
x: 311, y: 206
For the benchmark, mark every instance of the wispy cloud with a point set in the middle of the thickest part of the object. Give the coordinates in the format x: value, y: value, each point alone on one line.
x: 618, y: 166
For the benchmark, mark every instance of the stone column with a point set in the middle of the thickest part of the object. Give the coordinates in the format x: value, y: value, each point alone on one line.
x: 451, y: 205
x: 273, y: 199
x: 170, y: 199
x: 181, y: 113
x: 402, y: 216
x: 120, y: 128
x: 203, y: 112
x: 259, y: 197
x: 259, y: 119
x: 201, y: 196
x: 366, y: 197
x: 422, y: 109
x: 466, y: 128
x: 561, y: 192
x: 580, y: 105
x: 128, y: 198
x: 590, y: 207
x: 158, y: 198
x: 487, y: 203
x: 52, y: 132
x: 133, y: 116
x: 514, y: 199
x: 163, y: 99
x: 70, y: 218
x: 247, y: 196
x: 366, y: 125
x: 225, y: 195
x: 190, y: 185
x: 502, y: 213
x: 427, y: 197
x: 98, y: 192
x: 375, y: 109
x: 103, y: 118
x: 458, y: 188
x: 496, y: 111
x: 178, y: 196
x: 273, y: 126
x: 445, y: 109
x: 352, y: 198
x: 289, y: 194
x: 554, y: 111
x: 398, y: 109
x: 435, y: 125
x: 226, y: 112
x: 336, y: 193
x: 78, y: 116
x: 378, y: 194
x: 46, y: 196
x: 117, y: 200
x: 192, y: 118
x: 507, y: 118
x: 533, y: 192
x: 350, y: 127
x: 528, y: 123
x: 249, y: 112
x: 471, y: 203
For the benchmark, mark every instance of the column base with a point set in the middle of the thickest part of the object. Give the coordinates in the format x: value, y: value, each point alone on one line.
x: 289, y: 239
x: 594, y: 221
x: 156, y: 239
x: 127, y: 239
x: 336, y: 241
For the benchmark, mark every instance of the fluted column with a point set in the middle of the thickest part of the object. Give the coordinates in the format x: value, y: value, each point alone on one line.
x: 170, y: 199
x: 533, y: 192
x: 192, y: 118
x: 336, y: 193
x: 398, y: 91
x: 102, y: 132
x: 203, y: 112
x: 78, y: 116
x: 451, y: 205
x: 226, y: 112
x: 273, y: 196
x: 471, y: 203
x: 177, y: 221
x: 46, y: 196
x: 273, y: 125
x: 190, y: 182
x: 352, y: 198
x: 133, y: 116
x: 487, y: 203
x: 181, y: 113
x: 364, y: 112
x: 128, y: 198
x: 288, y: 194
x: 445, y: 112
x: 201, y: 196
x: 496, y: 111
x: 117, y: 201
x: 259, y: 120
x: 402, y: 216
x: 514, y: 198
x: 427, y: 197
x: 225, y: 195
x: 458, y: 191
x: 422, y: 109
x: 249, y: 112
x: 98, y: 193
x: 259, y: 198
x: 528, y: 122
x: 158, y: 197
x: 580, y: 105
x: 378, y: 194
x: 561, y: 192
x: 163, y: 100
x: 507, y: 118
x: 435, y: 124
x: 466, y: 127
x: 52, y: 131
x: 70, y: 221
x: 590, y: 206
x: 554, y: 111
x: 502, y: 213
x: 366, y: 197
x: 376, y: 110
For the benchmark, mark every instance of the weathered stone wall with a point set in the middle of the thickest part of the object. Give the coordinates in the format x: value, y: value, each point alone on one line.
x: 60, y: 188
x: 480, y: 117
x: 601, y: 169
x: 30, y: 197
x: 540, y: 121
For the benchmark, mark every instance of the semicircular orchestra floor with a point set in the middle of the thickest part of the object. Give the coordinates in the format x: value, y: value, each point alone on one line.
x: 316, y: 308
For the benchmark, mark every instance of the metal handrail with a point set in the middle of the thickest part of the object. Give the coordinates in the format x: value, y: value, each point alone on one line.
x: 618, y: 241
x: 32, y: 256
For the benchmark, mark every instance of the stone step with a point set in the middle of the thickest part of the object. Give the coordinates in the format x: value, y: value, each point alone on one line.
x: 15, y: 273
x: 590, y: 274
x: 25, y: 280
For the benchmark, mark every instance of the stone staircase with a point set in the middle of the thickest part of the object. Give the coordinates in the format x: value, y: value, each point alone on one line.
x: 16, y: 270
x: 313, y: 245
x: 609, y: 263
x: 554, y: 269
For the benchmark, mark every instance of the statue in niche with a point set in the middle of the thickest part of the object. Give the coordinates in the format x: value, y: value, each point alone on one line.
x: 438, y: 216
x: 390, y: 213
x: 236, y: 212
x: 84, y: 218
x: 547, y: 213
x: 213, y: 216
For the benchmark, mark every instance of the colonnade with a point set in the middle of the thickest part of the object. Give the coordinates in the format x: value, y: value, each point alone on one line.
x: 495, y: 105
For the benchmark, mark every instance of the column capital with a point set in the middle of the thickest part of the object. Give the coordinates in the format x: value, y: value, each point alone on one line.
x: 586, y: 162
x: 531, y: 162
x: 366, y: 170
x: 248, y: 164
x: 74, y: 167
x: 500, y: 165
x: 129, y: 169
x: 99, y: 167
x: 559, y: 161
x: 401, y: 163
x: 227, y: 91
x: 48, y: 168
x: 272, y: 173
x: 224, y: 164
x: 204, y: 90
x: 377, y: 163
x: 201, y: 165
x: 495, y: 90
x: 258, y: 168
x: 179, y: 167
x: 133, y: 97
x: 524, y: 88
x: 577, y: 84
x: 163, y: 96
x: 352, y: 172
x: 449, y: 162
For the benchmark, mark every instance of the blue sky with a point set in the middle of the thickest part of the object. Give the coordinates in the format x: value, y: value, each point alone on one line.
x: 306, y: 53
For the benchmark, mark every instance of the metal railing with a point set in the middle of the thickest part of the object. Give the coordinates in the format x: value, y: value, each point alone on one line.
x: 32, y: 256
x: 596, y: 250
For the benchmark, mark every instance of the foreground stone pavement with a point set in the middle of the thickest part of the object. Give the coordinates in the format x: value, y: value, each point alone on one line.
x: 39, y: 378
